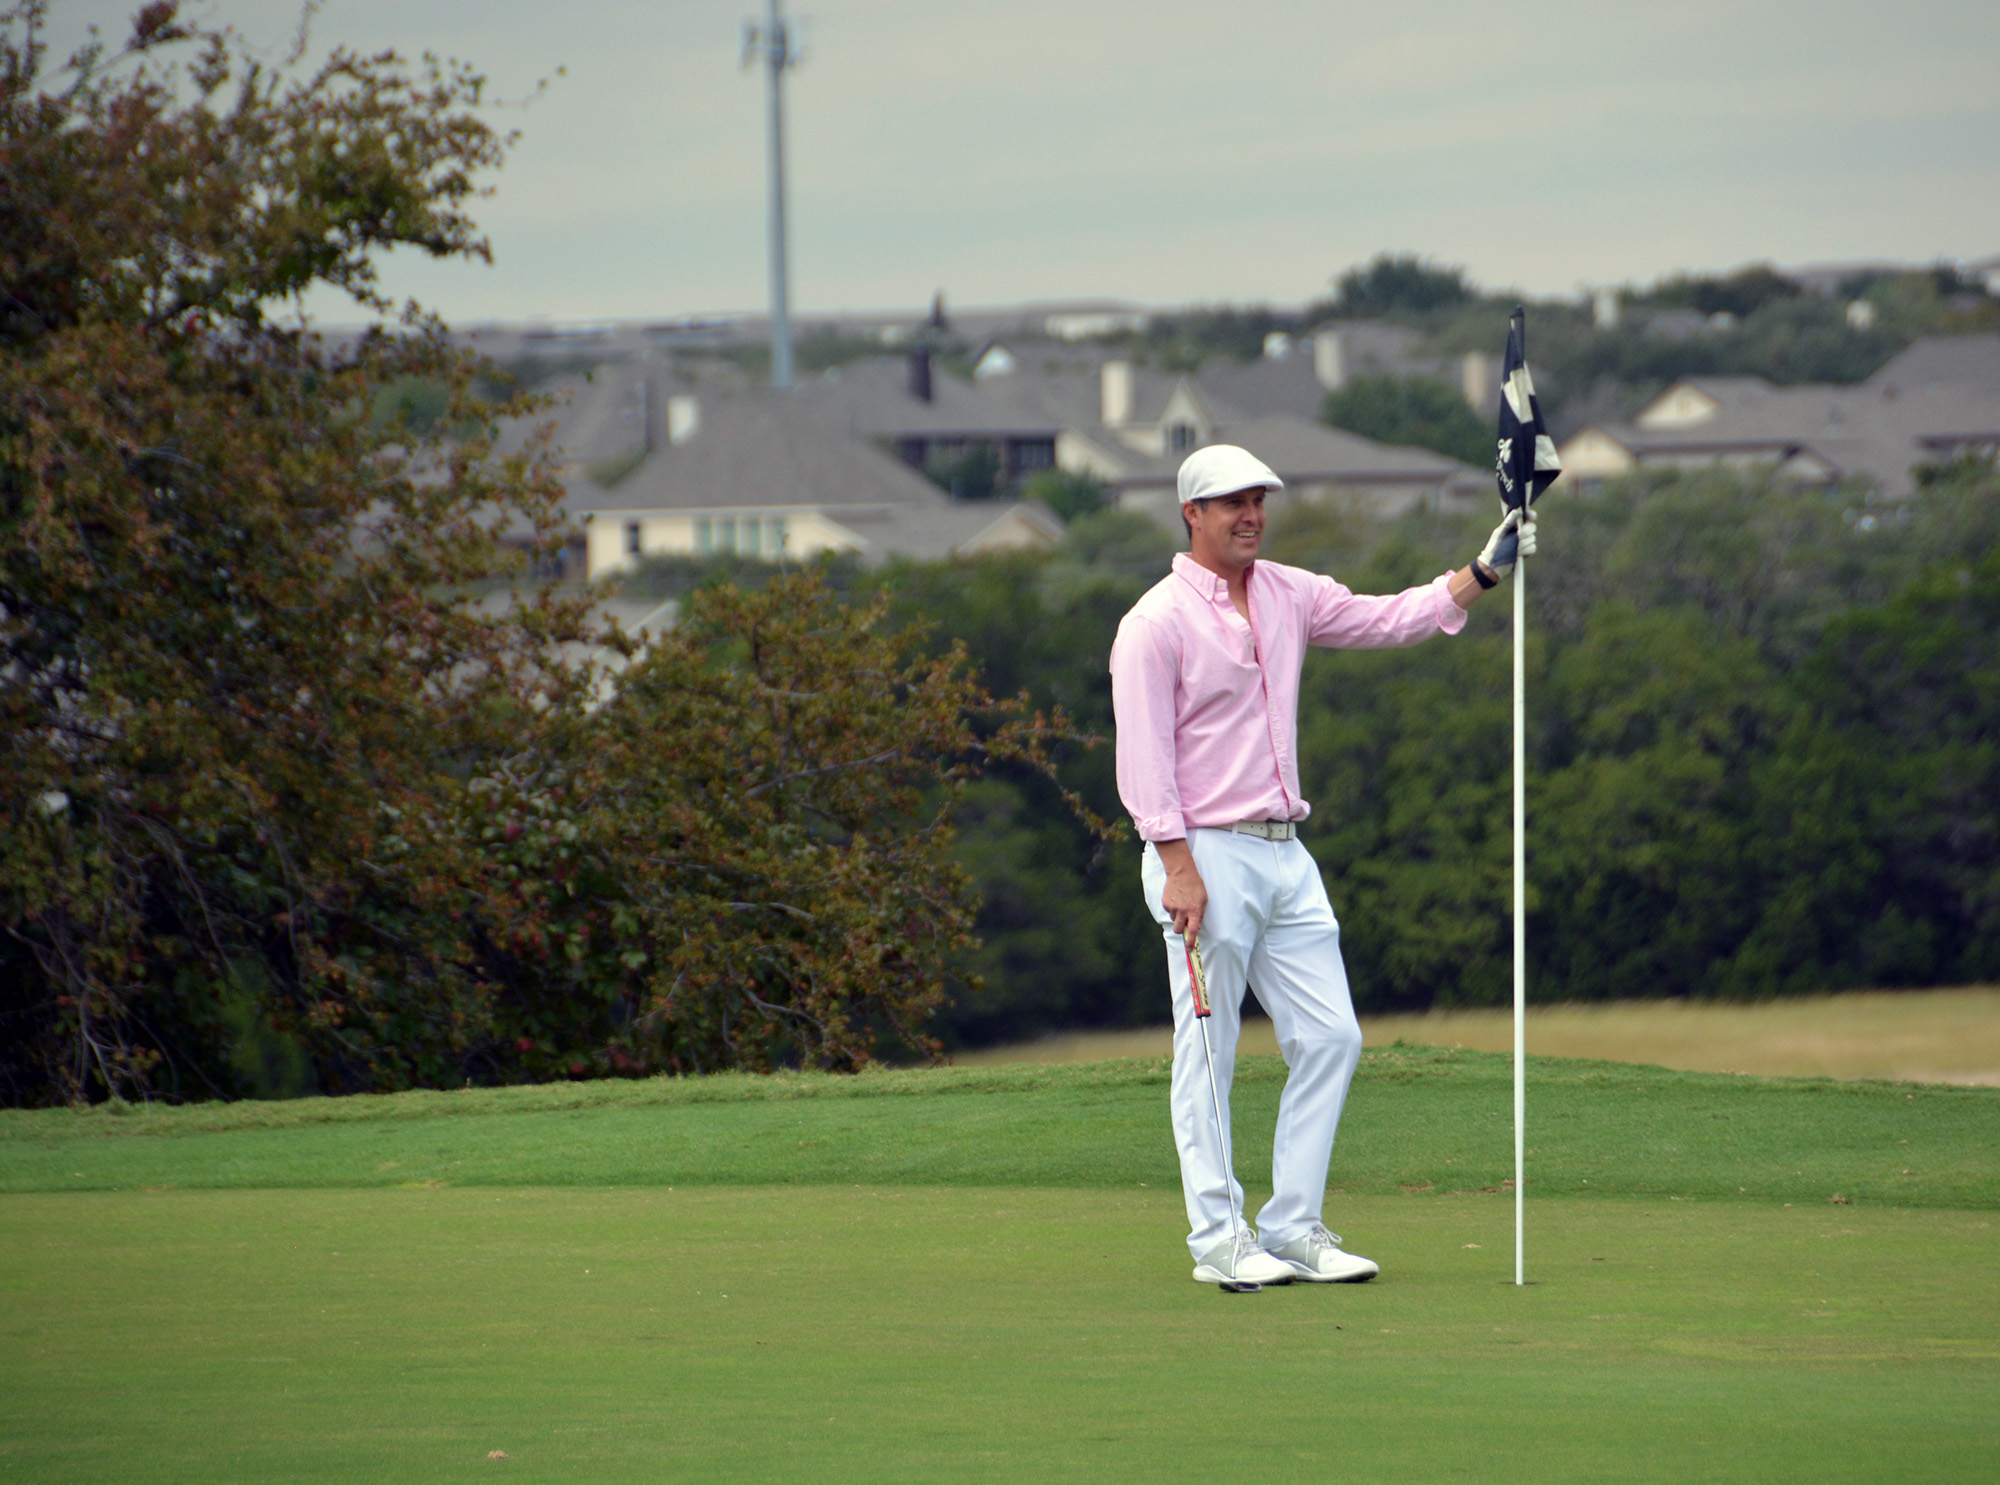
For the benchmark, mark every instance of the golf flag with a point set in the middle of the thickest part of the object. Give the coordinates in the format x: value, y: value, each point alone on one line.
x: 1527, y: 461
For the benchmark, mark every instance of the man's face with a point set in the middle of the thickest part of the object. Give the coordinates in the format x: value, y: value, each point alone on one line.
x: 1227, y: 528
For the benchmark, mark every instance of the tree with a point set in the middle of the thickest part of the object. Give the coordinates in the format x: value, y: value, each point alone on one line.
x: 240, y: 678
x: 971, y: 473
x: 1066, y: 492
x: 1419, y: 410
x: 1185, y: 340
x: 745, y: 857
x: 1390, y: 284
x: 1741, y: 293
x: 267, y: 767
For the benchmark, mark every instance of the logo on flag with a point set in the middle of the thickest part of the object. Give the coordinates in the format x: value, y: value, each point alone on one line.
x: 1526, y: 463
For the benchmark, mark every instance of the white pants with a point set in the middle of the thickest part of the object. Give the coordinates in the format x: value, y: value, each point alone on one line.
x: 1268, y: 921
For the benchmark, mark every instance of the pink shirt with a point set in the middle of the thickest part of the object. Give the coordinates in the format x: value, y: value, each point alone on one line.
x: 1207, y: 705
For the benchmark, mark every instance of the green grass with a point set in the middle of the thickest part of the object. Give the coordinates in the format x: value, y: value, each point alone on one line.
x: 1419, y: 1117
x: 959, y: 1275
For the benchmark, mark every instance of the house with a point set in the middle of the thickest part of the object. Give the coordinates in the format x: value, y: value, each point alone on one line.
x: 1294, y: 376
x: 776, y: 475
x: 927, y: 416
x: 1131, y: 427
x: 667, y: 458
x: 1936, y: 400
x: 1319, y: 465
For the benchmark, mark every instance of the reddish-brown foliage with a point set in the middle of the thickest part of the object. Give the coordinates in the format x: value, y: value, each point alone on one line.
x: 264, y: 762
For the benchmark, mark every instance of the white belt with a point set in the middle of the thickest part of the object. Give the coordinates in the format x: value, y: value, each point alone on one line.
x: 1268, y: 829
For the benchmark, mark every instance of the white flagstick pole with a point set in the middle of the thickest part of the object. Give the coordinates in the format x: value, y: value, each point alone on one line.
x: 1520, y: 912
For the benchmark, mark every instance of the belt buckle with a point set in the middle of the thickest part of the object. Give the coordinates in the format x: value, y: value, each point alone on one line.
x: 1267, y: 829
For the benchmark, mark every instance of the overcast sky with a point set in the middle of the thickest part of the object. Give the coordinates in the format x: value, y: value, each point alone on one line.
x: 1177, y: 151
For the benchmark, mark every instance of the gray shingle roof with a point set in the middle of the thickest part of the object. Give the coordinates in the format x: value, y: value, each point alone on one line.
x: 1941, y: 394
x: 1302, y: 452
x: 872, y: 399
x: 1073, y: 397
x: 1295, y: 444
x: 1943, y: 360
x: 947, y: 528
x: 1264, y: 386
x: 760, y: 447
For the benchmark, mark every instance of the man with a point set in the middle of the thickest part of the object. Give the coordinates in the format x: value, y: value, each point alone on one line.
x: 1205, y: 684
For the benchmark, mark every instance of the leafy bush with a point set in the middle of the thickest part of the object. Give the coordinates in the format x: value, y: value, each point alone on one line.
x: 1068, y: 493
x: 970, y: 474
x: 744, y: 858
x: 1418, y: 410
x: 1390, y: 284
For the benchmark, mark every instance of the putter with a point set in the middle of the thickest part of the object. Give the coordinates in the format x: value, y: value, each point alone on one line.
x: 1198, y: 988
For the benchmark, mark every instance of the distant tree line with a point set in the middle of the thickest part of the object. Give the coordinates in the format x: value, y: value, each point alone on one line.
x: 1765, y: 739
x: 1773, y: 329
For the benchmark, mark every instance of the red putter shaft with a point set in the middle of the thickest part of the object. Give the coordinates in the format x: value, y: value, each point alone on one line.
x: 1197, y: 979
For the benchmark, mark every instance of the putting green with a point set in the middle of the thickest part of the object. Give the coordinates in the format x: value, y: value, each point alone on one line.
x: 909, y: 1333
x: 1420, y: 1119
x: 977, y: 1274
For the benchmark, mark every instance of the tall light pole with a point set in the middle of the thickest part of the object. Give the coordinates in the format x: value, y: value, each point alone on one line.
x: 770, y: 41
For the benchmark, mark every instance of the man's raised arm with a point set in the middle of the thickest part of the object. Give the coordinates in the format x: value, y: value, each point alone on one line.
x: 1346, y: 620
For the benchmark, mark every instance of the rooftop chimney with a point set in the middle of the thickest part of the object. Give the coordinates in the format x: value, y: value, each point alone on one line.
x: 1115, y: 388
x: 683, y: 417
x: 1475, y: 380
x: 920, y: 373
x: 1329, y: 369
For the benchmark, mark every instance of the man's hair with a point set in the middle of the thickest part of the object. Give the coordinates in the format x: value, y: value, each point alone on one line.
x: 1184, y: 520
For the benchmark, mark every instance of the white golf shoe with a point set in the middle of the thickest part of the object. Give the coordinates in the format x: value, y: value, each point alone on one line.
x: 1316, y: 1258
x: 1241, y: 1261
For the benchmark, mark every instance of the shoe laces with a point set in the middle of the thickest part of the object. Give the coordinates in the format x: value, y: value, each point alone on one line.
x: 1319, y: 1237
x: 1246, y: 1244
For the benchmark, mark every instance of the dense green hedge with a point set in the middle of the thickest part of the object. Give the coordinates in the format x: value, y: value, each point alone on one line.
x: 1762, y: 726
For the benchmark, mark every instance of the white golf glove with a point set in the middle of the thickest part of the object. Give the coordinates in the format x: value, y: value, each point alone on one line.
x: 1511, y: 540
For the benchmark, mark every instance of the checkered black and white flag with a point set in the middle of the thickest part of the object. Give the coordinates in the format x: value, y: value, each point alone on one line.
x: 1527, y: 461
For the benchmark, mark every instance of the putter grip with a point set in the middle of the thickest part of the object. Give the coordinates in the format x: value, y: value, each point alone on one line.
x: 1197, y: 980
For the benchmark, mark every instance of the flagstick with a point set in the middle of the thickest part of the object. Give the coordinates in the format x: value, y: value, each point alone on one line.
x: 1520, y: 913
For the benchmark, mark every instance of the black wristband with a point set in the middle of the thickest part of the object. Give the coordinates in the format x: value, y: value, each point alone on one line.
x: 1481, y: 576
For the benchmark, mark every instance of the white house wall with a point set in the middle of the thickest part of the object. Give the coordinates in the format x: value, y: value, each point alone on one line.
x: 1078, y: 455
x: 1680, y: 406
x: 1013, y: 532
x: 1594, y: 455
x: 1184, y: 407
x: 607, y: 539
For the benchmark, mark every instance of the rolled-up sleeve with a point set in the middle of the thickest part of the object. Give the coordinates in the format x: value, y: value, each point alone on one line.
x: 1343, y: 619
x: 1145, y: 672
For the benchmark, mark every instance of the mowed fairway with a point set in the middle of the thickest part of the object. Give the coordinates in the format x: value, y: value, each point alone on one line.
x: 1701, y: 1309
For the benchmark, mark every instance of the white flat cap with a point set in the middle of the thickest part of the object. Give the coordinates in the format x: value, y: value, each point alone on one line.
x: 1223, y: 469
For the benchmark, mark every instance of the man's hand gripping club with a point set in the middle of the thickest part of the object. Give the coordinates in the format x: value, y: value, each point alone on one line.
x: 1185, y: 897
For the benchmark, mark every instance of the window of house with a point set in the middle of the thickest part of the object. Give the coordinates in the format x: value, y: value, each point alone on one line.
x: 1181, y: 437
x: 777, y: 536
x: 752, y: 535
x: 634, y: 544
x: 704, y: 537
x: 1035, y: 453
x: 726, y: 534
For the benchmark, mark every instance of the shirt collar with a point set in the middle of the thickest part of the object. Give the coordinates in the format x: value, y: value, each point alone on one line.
x: 1210, y: 585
